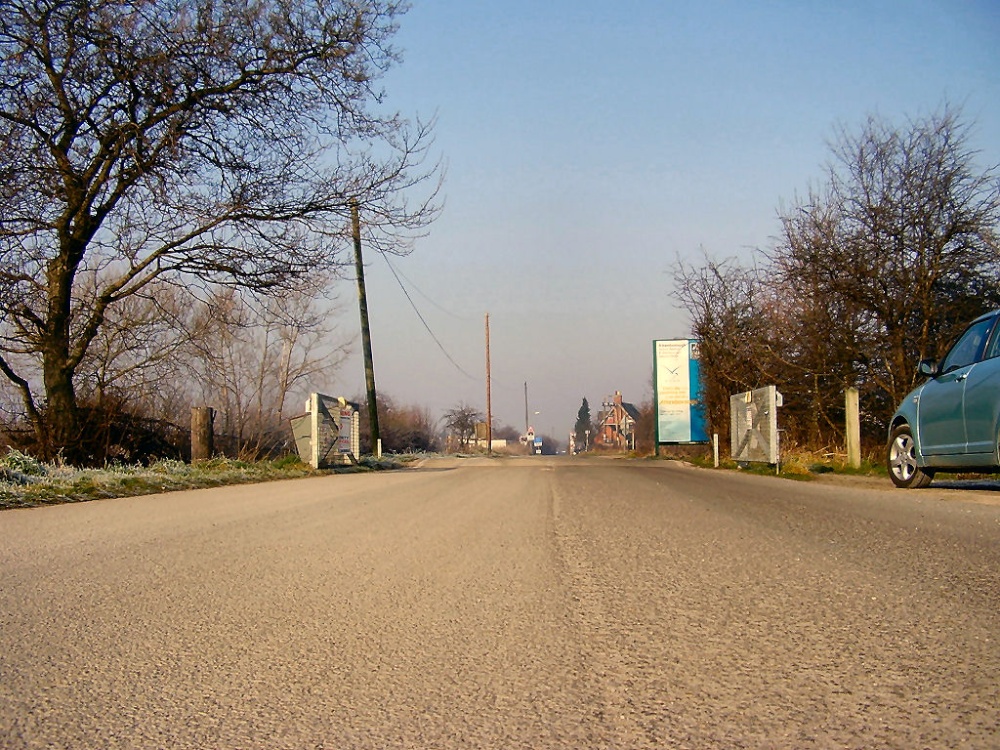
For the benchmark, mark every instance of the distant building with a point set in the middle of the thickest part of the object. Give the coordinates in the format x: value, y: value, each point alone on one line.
x: 481, y: 441
x: 616, y: 424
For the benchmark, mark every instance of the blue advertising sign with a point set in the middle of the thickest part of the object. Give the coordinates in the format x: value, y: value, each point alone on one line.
x: 680, y: 412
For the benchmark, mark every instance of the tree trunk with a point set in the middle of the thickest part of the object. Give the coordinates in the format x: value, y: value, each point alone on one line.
x: 62, y: 419
x: 61, y: 416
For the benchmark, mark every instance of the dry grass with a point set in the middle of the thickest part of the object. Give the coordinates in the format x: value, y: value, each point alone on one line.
x: 26, y: 482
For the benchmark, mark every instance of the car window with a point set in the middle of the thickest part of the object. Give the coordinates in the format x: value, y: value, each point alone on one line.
x: 993, y: 349
x: 967, y: 349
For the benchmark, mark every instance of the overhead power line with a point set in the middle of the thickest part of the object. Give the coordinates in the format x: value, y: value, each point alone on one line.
x: 422, y: 320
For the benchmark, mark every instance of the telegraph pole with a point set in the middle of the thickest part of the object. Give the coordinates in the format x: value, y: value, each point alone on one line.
x: 489, y: 407
x: 366, y: 336
x: 525, y: 407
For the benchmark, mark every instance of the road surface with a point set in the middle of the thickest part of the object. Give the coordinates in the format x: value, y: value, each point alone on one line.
x: 516, y: 603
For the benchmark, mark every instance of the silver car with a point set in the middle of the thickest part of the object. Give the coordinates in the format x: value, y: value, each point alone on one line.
x: 952, y: 421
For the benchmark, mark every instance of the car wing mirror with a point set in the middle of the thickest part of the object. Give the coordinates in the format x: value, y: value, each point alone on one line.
x: 929, y: 367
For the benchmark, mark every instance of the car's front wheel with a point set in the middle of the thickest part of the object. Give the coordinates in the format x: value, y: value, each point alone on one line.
x: 902, y: 460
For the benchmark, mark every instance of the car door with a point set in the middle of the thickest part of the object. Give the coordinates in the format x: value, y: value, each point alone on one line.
x: 939, y: 414
x: 940, y: 411
x: 981, y: 402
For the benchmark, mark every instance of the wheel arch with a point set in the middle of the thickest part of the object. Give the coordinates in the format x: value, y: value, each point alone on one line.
x: 897, y: 421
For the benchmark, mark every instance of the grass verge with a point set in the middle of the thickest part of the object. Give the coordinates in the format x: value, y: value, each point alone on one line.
x: 27, y: 483
x: 800, y: 465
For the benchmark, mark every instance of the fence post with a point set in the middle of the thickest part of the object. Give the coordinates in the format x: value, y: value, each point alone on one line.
x: 853, y: 413
x: 202, y: 435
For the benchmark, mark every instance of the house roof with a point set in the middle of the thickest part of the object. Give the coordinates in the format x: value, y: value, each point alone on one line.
x: 630, y: 409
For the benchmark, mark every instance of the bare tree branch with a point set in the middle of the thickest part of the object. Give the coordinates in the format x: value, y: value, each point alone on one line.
x: 198, y: 142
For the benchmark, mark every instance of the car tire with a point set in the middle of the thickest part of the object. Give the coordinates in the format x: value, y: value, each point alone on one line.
x: 901, y: 460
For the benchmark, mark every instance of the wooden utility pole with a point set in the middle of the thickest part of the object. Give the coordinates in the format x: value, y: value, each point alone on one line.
x: 366, y: 337
x: 525, y: 407
x: 489, y: 406
x: 202, y: 433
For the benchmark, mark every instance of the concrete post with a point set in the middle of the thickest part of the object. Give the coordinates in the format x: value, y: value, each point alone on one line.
x: 853, y: 413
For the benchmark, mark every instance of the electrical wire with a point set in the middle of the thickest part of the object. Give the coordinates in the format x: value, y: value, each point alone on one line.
x: 421, y: 317
x: 413, y: 286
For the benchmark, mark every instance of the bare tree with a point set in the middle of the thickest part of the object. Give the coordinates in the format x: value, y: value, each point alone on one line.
x: 462, y: 421
x: 726, y: 302
x: 193, y: 141
x: 247, y: 357
x: 893, y: 256
x: 405, y: 429
x: 132, y: 384
x: 873, y: 270
x: 138, y: 349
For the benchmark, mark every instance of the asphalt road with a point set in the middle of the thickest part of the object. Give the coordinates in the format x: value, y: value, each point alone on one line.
x: 518, y: 603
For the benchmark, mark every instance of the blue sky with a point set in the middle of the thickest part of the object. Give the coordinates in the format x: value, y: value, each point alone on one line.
x: 589, y: 145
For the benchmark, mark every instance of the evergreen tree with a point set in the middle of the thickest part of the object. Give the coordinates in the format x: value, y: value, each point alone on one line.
x: 583, y: 424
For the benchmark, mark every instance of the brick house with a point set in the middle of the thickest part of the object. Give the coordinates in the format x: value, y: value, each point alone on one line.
x: 616, y: 424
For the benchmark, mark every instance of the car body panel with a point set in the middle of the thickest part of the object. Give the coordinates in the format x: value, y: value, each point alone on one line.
x: 955, y: 414
x: 982, y: 395
x: 940, y: 419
